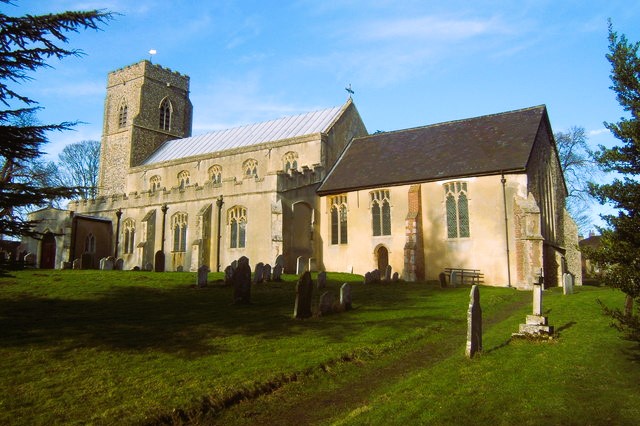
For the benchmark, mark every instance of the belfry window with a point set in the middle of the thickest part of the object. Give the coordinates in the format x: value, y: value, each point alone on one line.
x: 90, y: 243
x: 380, y: 212
x: 128, y: 234
x: 122, y: 116
x: 179, y: 227
x: 165, y: 115
x: 238, y: 227
x: 250, y: 168
x: 215, y: 174
x: 338, y: 210
x: 290, y: 161
x: 183, y: 179
x: 457, y: 209
x: 154, y: 183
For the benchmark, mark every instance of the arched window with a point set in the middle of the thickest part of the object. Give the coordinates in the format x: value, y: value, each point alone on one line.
x: 90, y: 243
x: 380, y: 212
x: 179, y: 227
x: 238, y: 227
x: 128, y: 235
x: 250, y: 168
x: 154, y: 183
x: 183, y: 179
x: 338, y: 208
x: 122, y: 115
x: 165, y: 114
x: 290, y: 161
x: 215, y: 174
x: 457, y: 209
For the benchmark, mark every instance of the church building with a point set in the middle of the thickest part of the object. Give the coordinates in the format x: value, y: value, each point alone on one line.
x: 315, y: 191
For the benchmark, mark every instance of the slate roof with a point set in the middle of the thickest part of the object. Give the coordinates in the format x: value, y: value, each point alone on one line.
x: 252, y: 134
x: 477, y: 146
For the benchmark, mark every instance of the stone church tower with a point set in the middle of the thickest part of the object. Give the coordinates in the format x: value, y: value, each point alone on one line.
x: 145, y: 106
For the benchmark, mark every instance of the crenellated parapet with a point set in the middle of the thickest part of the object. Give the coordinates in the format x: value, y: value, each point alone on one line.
x: 294, y: 178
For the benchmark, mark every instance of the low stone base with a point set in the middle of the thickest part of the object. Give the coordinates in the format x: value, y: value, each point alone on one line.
x: 536, y: 327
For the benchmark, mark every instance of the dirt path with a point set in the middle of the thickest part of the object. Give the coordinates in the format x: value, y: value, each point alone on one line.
x: 301, y: 403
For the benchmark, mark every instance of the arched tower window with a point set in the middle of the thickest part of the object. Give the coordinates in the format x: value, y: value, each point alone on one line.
x: 90, y: 243
x: 179, y: 227
x: 380, y: 212
x: 250, y: 168
x: 122, y: 115
x: 215, y: 174
x: 166, y: 111
x: 154, y: 183
x: 338, y: 208
x: 183, y: 179
x: 128, y: 235
x: 238, y: 227
x: 457, y: 209
x: 290, y: 161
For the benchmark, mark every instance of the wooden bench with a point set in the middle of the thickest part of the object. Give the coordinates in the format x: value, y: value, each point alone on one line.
x: 464, y: 276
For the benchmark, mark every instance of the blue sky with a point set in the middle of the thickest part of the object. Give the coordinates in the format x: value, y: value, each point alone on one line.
x: 411, y: 63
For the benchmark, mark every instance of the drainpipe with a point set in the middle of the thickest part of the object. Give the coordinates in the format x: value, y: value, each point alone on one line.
x: 118, y: 215
x: 164, y: 209
x: 506, y: 227
x: 219, y: 203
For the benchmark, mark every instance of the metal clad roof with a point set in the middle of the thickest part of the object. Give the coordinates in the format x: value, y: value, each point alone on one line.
x: 252, y: 134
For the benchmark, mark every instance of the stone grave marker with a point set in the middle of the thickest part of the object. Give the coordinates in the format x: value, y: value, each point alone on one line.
x: 119, y: 265
x: 326, y: 303
x: 86, y: 260
x: 304, y: 291
x: 536, y: 325
x: 266, y: 273
x: 313, y: 267
x: 567, y: 284
x: 322, y: 280
x: 279, y: 260
x: 77, y: 264
x: 203, y: 275
x: 301, y: 265
x: 257, y: 273
x: 474, y: 323
x: 242, y: 282
x: 443, y: 279
x: 106, y: 263
x: 387, y: 273
x: 345, y: 296
x: 375, y: 276
x: 180, y: 268
x: 367, y: 278
x: 395, y: 278
x: 228, y: 275
x: 102, y: 262
x: 277, y: 273
x: 149, y: 266
x: 29, y: 259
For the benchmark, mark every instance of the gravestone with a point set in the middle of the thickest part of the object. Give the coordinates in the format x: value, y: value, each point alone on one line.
x: 443, y: 279
x: 266, y: 273
x: 375, y: 276
x: 77, y: 264
x: 474, y: 323
x: 135, y: 268
x: 277, y: 273
x: 387, y: 273
x: 29, y: 259
x: 106, y: 264
x: 66, y: 265
x: 228, y: 275
x: 119, y: 265
x: 86, y: 261
x: 304, y: 290
x: 367, y: 278
x: 279, y: 260
x: 180, y: 268
x: 345, y: 296
x: 536, y: 325
x: 102, y: 263
x: 395, y: 278
x: 242, y: 282
x: 234, y: 265
x: 313, y: 267
x: 325, y: 306
x: 453, y: 278
x: 159, y: 261
x: 203, y: 275
x: 257, y: 273
x: 149, y: 266
x: 322, y: 280
x: 301, y: 265
x: 567, y: 284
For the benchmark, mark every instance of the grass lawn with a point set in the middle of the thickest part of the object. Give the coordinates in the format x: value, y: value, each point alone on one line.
x: 110, y: 347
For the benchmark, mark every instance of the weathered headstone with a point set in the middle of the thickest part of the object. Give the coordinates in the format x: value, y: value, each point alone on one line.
x: 159, y: 261
x: 228, y: 275
x: 119, y: 265
x: 474, y: 323
x: 203, y: 275
x: 103, y: 261
x: 234, y: 265
x: 106, y: 263
x: 567, y: 284
x: 86, y: 260
x: 277, y: 273
x: 279, y: 260
x: 242, y: 282
x: 387, y: 273
x: 536, y: 325
x: 180, y: 268
x: 325, y: 306
x: 266, y: 273
x: 345, y: 296
x: 537, y: 299
x: 257, y: 273
x: 77, y: 264
x: 396, y: 277
x: 313, y: 267
x: 322, y: 280
x: 375, y: 276
x: 301, y: 265
x: 29, y: 259
x: 66, y: 265
x: 304, y: 290
x: 367, y: 278
x: 454, y: 278
x: 149, y: 266
x: 443, y: 279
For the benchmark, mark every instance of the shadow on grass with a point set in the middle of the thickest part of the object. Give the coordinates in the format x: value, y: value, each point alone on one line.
x: 183, y: 321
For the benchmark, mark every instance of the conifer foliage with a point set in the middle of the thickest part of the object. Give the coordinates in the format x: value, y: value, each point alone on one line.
x: 26, y: 44
x: 620, y: 252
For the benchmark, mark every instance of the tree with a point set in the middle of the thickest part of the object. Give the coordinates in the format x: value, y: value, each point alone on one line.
x: 579, y: 167
x: 26, y: 43
x: 620, y: 251
x: 78, y: 166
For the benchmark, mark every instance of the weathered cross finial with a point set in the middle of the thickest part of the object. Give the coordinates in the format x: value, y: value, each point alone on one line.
x: 349, y: 90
